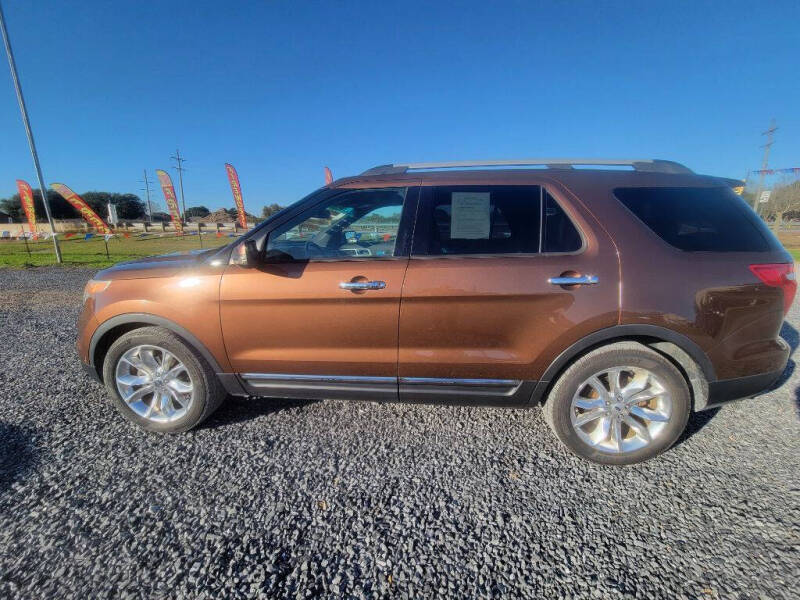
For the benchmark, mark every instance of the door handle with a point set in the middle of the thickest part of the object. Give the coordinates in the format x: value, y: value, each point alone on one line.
x: 579, y: 280
x: 362, y: 285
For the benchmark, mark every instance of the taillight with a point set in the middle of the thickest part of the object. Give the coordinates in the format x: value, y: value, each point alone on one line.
x: 778, y: 275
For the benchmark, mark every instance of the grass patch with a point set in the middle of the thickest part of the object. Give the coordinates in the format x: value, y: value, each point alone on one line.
x: 92, y: 252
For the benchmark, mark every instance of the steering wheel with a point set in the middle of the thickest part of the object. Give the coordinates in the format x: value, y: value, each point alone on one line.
x: 312, y: 250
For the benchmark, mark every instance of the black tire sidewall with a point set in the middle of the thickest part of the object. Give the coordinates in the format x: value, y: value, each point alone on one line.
x: 565, y: 388
x: 168, y: 341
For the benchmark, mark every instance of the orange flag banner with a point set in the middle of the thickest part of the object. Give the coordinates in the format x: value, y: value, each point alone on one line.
x: 81, y: 206
x: 233, y: 179
x: 26, y: 199
x: 172, y: 200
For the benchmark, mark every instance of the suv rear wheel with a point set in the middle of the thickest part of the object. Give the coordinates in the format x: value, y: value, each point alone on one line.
x: 159, y: 382
x: 620, y: 404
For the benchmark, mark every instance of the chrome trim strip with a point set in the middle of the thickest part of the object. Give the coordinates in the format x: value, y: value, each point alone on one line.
x: 466, y: 382
x: 317, y: 378
x: 359, y: 379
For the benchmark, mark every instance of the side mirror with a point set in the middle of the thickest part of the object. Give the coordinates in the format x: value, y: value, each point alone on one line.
x: 273, y: 255
x: 251, y: 251
x: 245, y: 254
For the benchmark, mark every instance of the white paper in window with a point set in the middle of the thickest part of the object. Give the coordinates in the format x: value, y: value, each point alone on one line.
x: 470, y: 216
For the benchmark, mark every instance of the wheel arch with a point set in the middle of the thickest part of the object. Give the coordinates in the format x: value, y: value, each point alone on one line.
x: 110, y: 330
x: 684, y: 353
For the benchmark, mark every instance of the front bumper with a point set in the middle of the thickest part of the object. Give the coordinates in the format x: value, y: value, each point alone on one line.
x: 91, y: 372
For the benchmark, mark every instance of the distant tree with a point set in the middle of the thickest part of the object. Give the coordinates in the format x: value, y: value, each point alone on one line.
x: 129, y: 206
x: 197, y: 211
x: 60, y: 208
x: 161, y: 216
x: 270, y: 210
x: 784, y: 199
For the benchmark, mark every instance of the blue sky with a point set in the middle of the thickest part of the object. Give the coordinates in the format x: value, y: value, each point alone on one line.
x: 280, y: 89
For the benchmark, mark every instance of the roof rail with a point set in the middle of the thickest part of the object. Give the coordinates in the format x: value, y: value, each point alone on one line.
x: 648, y: 165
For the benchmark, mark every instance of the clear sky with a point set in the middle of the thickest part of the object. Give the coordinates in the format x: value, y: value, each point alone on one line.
x: 280, y: 89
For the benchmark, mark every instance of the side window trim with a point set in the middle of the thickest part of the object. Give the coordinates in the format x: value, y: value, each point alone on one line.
x: 423, y: 225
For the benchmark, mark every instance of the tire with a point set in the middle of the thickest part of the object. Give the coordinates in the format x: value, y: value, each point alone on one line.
x: 571, y: 403
x: 193, y: 372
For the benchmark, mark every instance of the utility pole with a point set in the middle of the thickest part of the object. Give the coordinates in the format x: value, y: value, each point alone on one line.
x: 28, y: 131
x: 179, y: 160
x: 770, y: 133
x: 147, y: 191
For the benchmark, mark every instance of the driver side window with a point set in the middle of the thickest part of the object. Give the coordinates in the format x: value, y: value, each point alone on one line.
x: 355, y: 224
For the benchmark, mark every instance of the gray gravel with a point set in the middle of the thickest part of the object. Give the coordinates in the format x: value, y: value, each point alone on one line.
x: 292, y: 499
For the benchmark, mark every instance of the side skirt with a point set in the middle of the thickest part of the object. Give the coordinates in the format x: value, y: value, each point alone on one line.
x: 489, y: 392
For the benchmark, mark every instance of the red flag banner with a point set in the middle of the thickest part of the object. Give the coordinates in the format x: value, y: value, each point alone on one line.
x: 80, y: 205
x: 26, y: 199
x: 233, y: 178
x: 328, y: 176
x: 172, y: 200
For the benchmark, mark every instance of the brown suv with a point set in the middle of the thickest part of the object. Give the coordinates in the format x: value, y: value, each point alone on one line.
x: 620, y: 298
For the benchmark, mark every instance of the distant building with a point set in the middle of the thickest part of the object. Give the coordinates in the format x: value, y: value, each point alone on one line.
x: 221, y: 216
x: 4, y: 218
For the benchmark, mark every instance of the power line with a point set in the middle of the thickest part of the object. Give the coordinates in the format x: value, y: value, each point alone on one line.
x: 180, y: 160
x: 146, y: 189
x: 770, y: 133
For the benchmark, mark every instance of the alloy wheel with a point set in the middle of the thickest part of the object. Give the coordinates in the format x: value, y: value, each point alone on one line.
x: 154, y: 383
x: 621, y: 410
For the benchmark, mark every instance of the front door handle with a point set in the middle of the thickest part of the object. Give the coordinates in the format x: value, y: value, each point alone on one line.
x: 578, y: 280
x: 356, y: 286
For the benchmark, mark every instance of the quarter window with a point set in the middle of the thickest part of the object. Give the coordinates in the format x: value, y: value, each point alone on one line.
x: 459, y: 220
x: 697, y: 219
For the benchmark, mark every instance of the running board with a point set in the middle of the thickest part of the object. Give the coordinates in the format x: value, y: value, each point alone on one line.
x: 405, y: 389
x: 281, y: 385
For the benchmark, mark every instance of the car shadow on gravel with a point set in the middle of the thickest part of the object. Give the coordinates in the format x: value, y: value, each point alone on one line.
x: 17, y: 455
x: 792, y: 337
x: 236, y: 409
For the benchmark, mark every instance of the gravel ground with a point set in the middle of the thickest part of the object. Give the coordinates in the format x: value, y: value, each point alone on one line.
x: 292, y: 499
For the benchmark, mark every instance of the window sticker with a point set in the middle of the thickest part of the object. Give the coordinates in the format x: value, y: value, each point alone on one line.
x: 470, y: 216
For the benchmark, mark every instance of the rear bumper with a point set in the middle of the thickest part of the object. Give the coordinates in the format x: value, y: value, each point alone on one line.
x: 727, y: 390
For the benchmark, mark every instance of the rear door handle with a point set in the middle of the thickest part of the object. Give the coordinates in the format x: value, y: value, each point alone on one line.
x: 579, y: 280
x: 362, y: 285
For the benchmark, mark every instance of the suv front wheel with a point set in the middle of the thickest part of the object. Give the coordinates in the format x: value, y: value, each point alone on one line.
x: 159, y: 382
x: 620, y: 404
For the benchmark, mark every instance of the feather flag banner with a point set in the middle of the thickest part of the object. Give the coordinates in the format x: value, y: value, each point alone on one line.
x: 80, y: 205
x: 236, y: 188
x: 26, y: 199
x: 172, y: 200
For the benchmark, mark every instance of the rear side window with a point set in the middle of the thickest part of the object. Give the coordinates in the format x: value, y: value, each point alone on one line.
x: 699, y: 219
x: 558, y: 232
x: 457, y: 220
